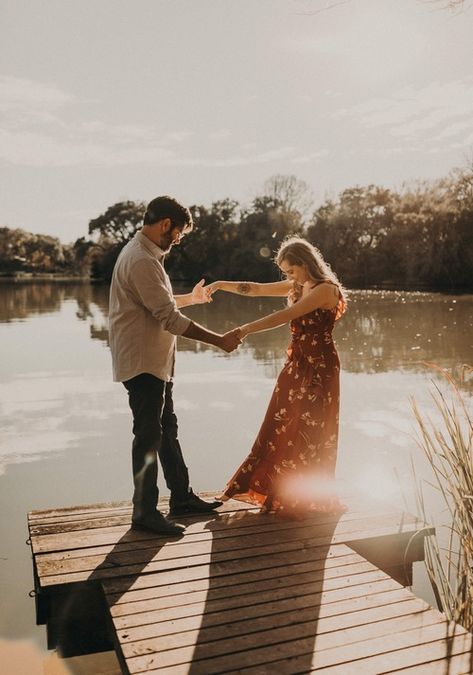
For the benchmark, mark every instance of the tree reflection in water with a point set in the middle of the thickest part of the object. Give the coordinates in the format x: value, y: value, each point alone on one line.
x: 382, y: 331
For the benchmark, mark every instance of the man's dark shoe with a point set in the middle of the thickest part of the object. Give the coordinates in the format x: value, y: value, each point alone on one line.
x: 158, y: 524
x: 193, y: 504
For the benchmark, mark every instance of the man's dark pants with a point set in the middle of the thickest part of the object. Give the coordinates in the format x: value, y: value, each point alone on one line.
x: 155, y: 434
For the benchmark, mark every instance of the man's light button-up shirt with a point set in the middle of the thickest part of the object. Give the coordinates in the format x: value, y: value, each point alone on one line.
x: 143, y: 315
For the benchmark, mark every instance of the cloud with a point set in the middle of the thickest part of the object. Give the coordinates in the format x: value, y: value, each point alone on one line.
x: 411, y: 112
x: 39, y: 131
x: 220, y: 135
x: 454, y: 129
x: 310, y: 157
x: 29, y: 97
x: 327, y: 6
x: 255, y: 158
x: 43, y: 150
x: 469, y: 139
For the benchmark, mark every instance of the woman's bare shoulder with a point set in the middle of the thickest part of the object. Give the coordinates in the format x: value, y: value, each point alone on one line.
x: 328, y: 293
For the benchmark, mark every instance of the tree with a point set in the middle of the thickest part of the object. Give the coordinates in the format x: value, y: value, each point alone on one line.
x: 262, y: 229
x: 119, y: 222
x: 292, y: 194
x: 25, y: 251
x: 206, y: 250
x: 112, y: 230
x: 350, y: 231
x: 80, y: 254
x: 421, y: 237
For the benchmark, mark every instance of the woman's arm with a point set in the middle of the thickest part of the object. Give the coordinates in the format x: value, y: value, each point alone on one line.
x: 276, y: 288
x: 324, y: 296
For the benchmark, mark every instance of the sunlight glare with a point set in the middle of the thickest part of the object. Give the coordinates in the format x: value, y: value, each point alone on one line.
x: 308, y: 488
x: 376, y: 482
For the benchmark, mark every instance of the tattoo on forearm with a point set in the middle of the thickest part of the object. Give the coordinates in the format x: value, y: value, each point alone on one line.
x: 244, y: 287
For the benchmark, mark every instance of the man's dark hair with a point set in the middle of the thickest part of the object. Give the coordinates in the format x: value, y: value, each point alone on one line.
x: 168, y: 207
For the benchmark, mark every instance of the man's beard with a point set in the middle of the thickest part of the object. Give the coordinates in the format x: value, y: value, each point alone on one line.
x: 166, y: 242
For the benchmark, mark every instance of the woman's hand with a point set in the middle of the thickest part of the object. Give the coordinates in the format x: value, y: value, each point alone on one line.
x: 214, y: 286
x: 230, y: 340
x: 200, y: 293
x: 244, y: 331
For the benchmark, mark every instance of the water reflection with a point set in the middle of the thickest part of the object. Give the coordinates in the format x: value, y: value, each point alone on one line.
x: 382, y: 331
x: 65, y: 425
x: 21, y: 300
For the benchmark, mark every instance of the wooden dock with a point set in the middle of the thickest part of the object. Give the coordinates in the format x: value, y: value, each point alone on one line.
x: 242, y: 592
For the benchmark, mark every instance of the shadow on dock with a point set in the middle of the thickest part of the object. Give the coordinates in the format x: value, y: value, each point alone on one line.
x: 80, y: 620
x: 270, y: 601
x: 242, y: 592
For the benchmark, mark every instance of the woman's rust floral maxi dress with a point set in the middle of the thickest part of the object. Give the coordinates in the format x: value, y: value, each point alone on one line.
x: 291, y: 466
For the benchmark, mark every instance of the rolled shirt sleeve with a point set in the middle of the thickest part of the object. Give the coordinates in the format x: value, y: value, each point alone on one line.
x: 152, y: 288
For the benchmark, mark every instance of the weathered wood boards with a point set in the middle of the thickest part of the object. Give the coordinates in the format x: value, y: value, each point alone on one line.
x: 244, y: 592
x: 71, y: 547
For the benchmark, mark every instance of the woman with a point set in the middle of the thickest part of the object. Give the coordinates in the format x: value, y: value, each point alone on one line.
x: 291, y: 467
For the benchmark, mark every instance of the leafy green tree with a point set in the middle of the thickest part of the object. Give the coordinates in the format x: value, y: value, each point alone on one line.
x: 204, y: 253
x: 420, y: 237
x: 119, y: 222
x: 103, y: 261
x: 293, y: 195
x: 25, y: 251
x: 432, y: 239
x: 79, y: 256
x: 460, y: 250
x: 112, y: 230
x: 350, y: 230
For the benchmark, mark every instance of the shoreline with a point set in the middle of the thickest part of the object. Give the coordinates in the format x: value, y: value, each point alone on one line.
x: 31, y: 278
x: 40, y: 278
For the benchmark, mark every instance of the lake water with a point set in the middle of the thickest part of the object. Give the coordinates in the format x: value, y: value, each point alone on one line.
x: 65, y: 426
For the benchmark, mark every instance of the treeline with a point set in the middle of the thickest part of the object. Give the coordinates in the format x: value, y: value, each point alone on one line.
x: 418, y: 237
x: 24, y: 252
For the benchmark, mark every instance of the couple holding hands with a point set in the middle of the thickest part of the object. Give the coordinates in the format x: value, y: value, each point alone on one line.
x: 291, y: 466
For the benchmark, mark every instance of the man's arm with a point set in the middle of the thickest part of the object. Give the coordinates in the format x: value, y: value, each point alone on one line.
x: 183, y: 300
x: 149, y: 284
x: 155, y: 296
x: 198, y: 296
x: 227, y: 342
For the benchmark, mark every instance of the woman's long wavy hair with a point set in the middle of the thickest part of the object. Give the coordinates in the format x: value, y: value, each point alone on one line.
x: 298, y: 251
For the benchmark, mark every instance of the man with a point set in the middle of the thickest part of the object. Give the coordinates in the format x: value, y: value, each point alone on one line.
x: 144, y: 320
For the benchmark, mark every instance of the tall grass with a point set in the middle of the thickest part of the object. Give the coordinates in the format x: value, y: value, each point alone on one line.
x: 447, y: 446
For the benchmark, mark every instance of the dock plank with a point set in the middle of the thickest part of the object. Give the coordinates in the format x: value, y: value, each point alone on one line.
x: 456, y: 664
x: 89, y: 537
x: 176, y: 624
x: 246, y: 592
x: 370, y: 656
x: 338, y: 615
x: 221, y: 654
x: 253, y: 604
x: 125, y: 557
x: 199, y: 543
x: 291, y: 575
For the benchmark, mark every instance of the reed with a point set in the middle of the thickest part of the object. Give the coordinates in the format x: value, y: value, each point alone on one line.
x: 447, y: 446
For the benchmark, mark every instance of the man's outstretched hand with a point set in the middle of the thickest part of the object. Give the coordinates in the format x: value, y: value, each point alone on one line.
x: 201, y: 294
x: 231, y: 340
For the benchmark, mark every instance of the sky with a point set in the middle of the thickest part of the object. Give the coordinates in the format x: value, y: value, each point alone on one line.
x: 107, y: 100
